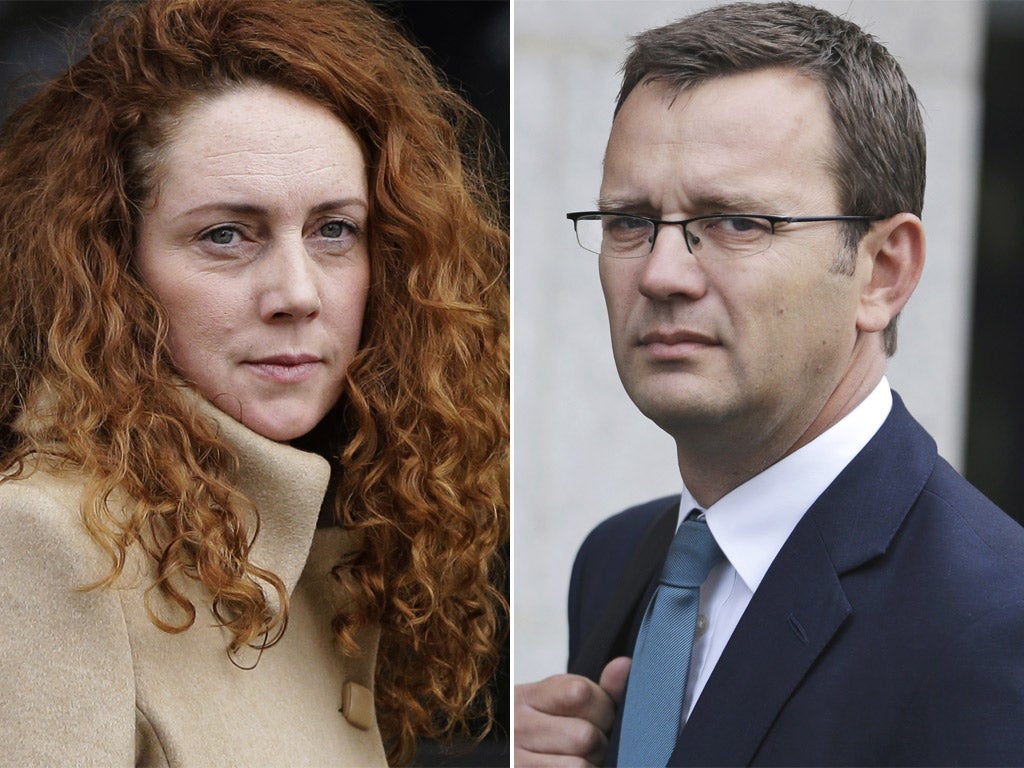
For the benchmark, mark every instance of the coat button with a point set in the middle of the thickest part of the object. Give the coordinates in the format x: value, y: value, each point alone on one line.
x: 357, y: 705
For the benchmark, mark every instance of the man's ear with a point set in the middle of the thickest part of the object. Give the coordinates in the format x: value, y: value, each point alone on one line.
x: 892, y: 253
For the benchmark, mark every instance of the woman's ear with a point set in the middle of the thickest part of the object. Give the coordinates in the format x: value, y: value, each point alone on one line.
x: 892, y: 252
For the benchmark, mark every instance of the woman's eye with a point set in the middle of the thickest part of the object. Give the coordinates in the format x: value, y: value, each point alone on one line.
x: 336, y: 229
x: 221, y: 235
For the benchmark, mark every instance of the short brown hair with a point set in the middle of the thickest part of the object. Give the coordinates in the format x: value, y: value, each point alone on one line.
x: 879, y: 156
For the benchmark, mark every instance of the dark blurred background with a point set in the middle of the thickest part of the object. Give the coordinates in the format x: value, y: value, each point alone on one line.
x: 467, y: 39
x: 995, y: 424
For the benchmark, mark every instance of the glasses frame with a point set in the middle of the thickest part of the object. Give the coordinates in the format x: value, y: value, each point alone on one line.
x: 772, y: 220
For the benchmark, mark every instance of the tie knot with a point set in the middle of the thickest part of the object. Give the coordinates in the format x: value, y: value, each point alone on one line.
x: 693, y: 553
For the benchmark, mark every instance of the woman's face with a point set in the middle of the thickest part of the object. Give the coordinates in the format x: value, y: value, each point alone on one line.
x: 254, y: 242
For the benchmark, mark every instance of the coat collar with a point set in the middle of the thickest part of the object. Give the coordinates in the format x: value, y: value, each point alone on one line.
x: 801, y: 603
x: 287, y: 487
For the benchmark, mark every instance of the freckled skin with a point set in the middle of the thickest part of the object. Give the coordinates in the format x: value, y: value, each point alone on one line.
x: 254, y: 243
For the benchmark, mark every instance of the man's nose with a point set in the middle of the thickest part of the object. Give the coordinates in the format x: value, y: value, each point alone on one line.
x: 670, y: 270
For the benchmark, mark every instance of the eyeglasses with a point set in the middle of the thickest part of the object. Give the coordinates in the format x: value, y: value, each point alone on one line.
x: 717, y: 235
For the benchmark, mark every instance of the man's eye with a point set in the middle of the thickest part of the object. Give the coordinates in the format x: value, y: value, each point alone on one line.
x: 741, y: 225
x: 625, y: 222
x: 626, y: 226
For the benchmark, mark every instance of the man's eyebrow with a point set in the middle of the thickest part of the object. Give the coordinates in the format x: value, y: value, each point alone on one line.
x: 699, y: 204
x: 725, y: 203
x: 622, y: 204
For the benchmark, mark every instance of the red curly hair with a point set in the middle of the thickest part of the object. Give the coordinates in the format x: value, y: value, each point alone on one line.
x: 422, y: 430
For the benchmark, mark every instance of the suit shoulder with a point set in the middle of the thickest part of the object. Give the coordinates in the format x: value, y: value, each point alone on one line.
x: 949, y: 496
x: 969, y: 703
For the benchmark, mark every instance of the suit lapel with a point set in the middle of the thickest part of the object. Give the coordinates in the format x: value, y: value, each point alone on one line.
x: 789, y: 623
x: 606, y: 638
x: 801, y: 604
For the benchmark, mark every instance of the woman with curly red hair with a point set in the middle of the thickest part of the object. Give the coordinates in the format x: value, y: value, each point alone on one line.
x: 254, y: 395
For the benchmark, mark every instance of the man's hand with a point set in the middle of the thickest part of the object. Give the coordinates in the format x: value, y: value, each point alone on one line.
x: 565, y: 719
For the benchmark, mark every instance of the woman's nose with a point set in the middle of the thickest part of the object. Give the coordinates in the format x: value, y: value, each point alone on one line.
x: 290, y: 288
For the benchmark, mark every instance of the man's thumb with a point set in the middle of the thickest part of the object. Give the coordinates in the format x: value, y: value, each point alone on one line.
x: 613, y: 678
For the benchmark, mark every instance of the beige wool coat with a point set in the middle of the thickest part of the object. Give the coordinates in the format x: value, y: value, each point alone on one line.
x: 87, y: 679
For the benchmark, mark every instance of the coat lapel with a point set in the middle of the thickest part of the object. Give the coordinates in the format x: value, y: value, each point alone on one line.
x: 801, y: 604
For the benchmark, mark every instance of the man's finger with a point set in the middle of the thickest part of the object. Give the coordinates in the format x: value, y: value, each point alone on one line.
x: 563, y: 714
x: 613, y: 679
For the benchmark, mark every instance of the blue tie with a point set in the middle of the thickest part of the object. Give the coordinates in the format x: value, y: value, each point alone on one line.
x: 661, y: 658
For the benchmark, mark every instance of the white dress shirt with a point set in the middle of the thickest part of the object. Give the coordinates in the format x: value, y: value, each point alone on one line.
x: 753, y: 521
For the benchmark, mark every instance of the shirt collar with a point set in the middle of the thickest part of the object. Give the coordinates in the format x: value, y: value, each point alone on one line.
x: 753, y: 521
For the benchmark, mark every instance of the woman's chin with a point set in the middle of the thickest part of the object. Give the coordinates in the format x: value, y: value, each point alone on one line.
x: 281, y: 429
x: 274, y: 421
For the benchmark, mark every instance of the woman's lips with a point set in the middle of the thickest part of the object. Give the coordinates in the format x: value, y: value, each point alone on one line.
x: 285, y: 369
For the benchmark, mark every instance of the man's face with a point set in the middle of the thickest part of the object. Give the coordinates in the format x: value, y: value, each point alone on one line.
x: 752, y: 346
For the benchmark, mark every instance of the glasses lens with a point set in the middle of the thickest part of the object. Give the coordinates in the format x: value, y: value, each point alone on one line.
x: 615, y: 235
x: 729, y: 236
x: 621, y: 236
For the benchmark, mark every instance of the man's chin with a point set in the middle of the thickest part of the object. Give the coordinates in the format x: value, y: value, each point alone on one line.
x: 681, y: 409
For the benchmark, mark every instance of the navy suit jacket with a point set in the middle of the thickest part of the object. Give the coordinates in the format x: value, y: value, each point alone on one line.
x: 889, y: 630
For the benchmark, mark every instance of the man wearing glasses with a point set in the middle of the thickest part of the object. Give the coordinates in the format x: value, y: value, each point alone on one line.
x: 826, y: 590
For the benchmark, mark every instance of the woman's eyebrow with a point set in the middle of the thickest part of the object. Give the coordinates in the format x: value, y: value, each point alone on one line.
x: 344, y: 202
x: 243, y: 209
x: 250, y: 209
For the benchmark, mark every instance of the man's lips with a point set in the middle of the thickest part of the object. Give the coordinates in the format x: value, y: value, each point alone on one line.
x: 285, y: 369
x: 674, y: 344
x: 680, y: 336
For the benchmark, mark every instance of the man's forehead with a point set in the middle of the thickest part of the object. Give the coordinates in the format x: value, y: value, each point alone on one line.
x: 769, y: 94
x: 725, y: 139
